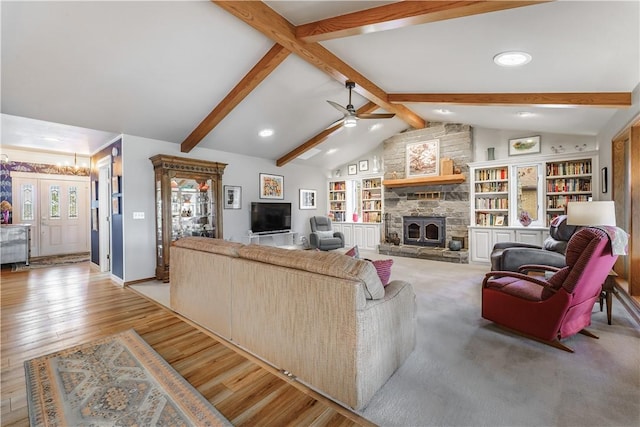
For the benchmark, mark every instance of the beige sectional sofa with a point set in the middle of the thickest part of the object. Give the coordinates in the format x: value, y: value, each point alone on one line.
x: 325, y: 317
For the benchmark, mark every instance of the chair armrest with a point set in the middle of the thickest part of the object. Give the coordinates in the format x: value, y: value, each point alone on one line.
x: 537, y: 267
x: 314, y: 240
x: 506, y: 245
x: 513, y: 258
x: 338, y: 234
x: 498, y: 274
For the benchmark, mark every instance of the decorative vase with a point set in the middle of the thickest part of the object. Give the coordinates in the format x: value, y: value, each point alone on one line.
x: 455, y: 245
x: 524, y: 218
x: 5, y: 217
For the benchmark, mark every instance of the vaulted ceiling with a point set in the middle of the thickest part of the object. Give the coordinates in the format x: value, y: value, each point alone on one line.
x: 213, y: 74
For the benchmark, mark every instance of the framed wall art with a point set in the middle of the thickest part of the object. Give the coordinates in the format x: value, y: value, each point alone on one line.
x: 352, y: 169
x: 423, y: 158
x: 308, y: 199
x: 271, y: 186
x: 363, y: 165
x: 526, y: 145
x: 232, y: 197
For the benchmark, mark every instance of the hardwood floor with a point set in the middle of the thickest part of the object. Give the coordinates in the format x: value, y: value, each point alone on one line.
x: 48, y: 309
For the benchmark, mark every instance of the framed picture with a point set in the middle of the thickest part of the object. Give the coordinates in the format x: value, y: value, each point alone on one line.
x: 115, y: 205
x: 499, y: 220
x: 527, y: 145
x: 271, y: 186
x: 115, y: 184
x: 352, y: 170
x: 603, y: 179
x: 363, y: 165
x: 423, y: 158
x: 307, y: 199
x: 232, y: 197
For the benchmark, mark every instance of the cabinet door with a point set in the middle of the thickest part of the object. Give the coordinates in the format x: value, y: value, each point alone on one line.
x: 371, y: 236
x: 532, y: 237
x: 358, y: 234
x: 347, y: 230
x: 481, y: 245
x: 500, y: 236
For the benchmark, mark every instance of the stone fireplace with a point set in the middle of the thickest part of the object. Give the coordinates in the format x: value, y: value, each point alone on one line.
x: 446, y: 205
x: 424, y: 230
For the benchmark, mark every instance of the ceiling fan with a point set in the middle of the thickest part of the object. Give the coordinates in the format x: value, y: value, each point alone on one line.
x: 350, y: 115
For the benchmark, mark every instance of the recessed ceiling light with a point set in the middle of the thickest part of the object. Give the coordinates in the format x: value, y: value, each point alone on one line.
x: 512, y: 59
x: 525, y: 114
x: 331, y: 151
x: 443, y: 111
x: 265, y: 133
x: 375, y: 126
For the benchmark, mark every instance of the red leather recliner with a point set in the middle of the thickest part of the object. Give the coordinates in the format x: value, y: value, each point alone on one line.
x: 549, y: 310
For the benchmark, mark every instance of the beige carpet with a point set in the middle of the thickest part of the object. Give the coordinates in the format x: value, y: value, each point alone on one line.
x: 467, y: 372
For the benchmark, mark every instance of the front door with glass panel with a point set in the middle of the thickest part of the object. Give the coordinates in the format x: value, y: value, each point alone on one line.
x: 63, y: 217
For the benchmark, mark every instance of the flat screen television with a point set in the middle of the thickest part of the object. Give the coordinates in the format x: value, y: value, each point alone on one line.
x: 270, y: 217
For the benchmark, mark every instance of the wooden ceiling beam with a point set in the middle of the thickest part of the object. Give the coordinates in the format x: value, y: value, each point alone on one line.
x: 250, y: 81
x: 369, y: 107
x: 565, y: 99
x: 399, y: 15
x: 264, y: 19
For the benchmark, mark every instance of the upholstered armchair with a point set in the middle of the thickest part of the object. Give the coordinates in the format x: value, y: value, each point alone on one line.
x: 549, y: 310
x: 322, y: 235
x: 510, y: 256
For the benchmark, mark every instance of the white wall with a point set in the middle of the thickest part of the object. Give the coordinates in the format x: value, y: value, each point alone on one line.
x: 618, y: 122
x: 138, y: 195
x: 484, y: 138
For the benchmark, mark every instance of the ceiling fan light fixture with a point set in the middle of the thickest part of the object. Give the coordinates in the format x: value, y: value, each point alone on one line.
x: 265, y: 133
x: 350, y: 122
x: 512, y: 59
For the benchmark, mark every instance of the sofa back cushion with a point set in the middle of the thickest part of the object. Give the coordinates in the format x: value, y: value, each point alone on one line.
x: 328, y: 263
x: 207, y: 244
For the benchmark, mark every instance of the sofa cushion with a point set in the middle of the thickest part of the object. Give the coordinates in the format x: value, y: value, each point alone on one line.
x: 207, y: 244
x: 328, y: 263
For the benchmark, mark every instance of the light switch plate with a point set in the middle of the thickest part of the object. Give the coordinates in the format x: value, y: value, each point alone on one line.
x: 138, y: 215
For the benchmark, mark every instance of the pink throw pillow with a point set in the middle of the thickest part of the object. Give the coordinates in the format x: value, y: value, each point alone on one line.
x: 383, y: 268
x: 353, y: 252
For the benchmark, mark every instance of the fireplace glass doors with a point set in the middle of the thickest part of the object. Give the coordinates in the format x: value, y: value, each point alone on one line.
x: 424, y: 230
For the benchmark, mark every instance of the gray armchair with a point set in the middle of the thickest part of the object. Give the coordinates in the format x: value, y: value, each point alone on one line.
x: 509, y: 256
x: 322, y: 235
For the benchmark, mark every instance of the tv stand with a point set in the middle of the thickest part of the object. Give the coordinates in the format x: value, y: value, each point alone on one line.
x: 278, y: 238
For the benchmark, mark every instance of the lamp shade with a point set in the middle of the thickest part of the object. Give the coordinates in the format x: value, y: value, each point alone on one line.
x: 591, y: 213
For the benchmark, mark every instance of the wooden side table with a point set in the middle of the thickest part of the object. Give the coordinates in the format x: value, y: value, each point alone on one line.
x: 608, y: 289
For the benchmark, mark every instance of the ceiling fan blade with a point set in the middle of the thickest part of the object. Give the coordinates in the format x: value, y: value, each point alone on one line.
x: 339, y: 121
x: 339, y: 108
x: 375, y: 116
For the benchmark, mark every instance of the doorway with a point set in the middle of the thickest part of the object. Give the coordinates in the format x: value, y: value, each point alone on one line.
x: 56, y: 207
x: 104, y: 213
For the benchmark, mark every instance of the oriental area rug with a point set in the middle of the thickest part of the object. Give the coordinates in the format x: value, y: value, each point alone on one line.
x: 117, y: 380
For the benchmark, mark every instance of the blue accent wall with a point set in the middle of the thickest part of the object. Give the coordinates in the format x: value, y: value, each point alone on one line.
x: 117, y: 232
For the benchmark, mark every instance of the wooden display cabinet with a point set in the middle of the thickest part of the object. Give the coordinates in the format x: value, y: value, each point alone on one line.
x: 188, y: 203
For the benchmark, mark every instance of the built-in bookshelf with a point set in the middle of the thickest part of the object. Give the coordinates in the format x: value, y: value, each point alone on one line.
x: 491, y: 196
x: 371, y: 200
x: 567, y: 181
x: 338, y: 201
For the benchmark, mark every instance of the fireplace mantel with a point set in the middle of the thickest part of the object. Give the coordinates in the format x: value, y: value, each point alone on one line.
x: 424, y: 180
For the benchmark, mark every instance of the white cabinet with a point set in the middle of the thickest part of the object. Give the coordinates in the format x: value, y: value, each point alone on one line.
x: 366, y: 236
x: 532, y: 237
x: 482, y: 239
